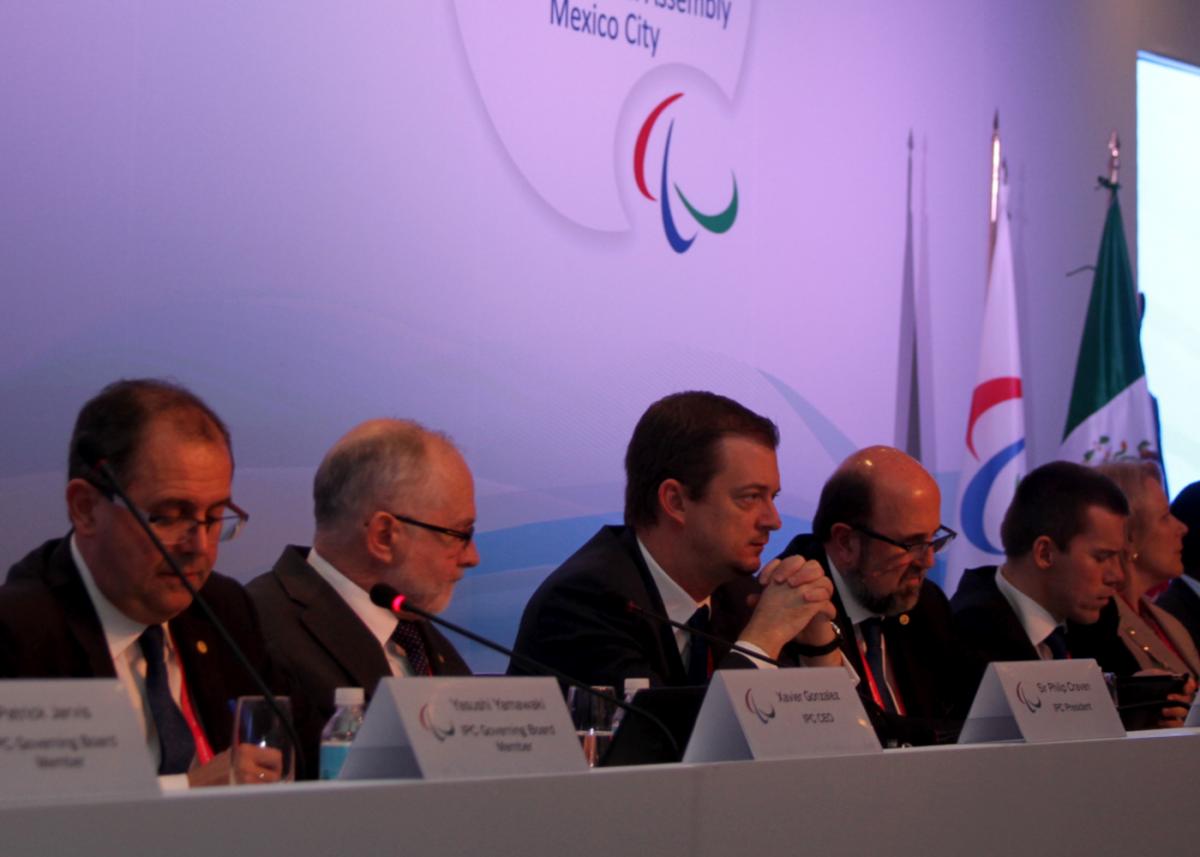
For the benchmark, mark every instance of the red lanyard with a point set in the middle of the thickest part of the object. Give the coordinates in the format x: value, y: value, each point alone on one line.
x: 878, y: 697
x: 204, y: 753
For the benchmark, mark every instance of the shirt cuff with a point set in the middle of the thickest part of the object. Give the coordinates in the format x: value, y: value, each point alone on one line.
x: 762, y: 665
x: 173, y: 783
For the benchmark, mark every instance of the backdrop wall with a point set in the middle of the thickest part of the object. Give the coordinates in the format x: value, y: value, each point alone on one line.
x: 317, y: 213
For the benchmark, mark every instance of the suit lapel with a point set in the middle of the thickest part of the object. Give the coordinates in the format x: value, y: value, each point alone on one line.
x: 654, y: 603
x: 331, y: 623
x: 84, y: 624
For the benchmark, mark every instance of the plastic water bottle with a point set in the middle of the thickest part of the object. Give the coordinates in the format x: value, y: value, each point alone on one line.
x: 339, y: 732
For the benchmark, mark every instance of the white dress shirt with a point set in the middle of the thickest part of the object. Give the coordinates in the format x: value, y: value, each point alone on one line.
x: 121, y: 634
x: 1034, y: 618
x: 380, y: 621
x: 680, y: 606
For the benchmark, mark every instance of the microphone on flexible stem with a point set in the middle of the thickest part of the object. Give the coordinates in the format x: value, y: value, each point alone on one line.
x: 391, y: 599
x: 107, y: 483
x: 631, y: 607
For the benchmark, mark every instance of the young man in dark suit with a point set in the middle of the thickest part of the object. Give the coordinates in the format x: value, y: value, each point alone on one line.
x: 701, y: 481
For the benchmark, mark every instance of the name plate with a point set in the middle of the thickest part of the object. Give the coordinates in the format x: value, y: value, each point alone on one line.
x: 443, y: 728
x: 66, y: 739
x: 1034, y: 701
x: 780, y: 714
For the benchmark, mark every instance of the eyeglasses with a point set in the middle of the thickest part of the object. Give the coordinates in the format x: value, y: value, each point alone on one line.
x: 464, y: 536
x: 941, y: 538
x: 173, y: 529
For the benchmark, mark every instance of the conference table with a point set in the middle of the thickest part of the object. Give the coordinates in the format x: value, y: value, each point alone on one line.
x: 1132, y: 795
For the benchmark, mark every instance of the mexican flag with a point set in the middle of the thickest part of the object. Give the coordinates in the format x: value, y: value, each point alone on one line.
x: 1111, y: 416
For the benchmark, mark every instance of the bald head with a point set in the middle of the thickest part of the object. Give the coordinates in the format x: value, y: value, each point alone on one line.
x: 876, y: 501
x: 374, y: 466
x: 877, y: 478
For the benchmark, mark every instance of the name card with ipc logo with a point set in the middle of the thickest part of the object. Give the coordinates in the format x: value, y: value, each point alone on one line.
x: 1064, y: 700
x: 66, y: 739
x: 780, y: 714
x: 442, y: 728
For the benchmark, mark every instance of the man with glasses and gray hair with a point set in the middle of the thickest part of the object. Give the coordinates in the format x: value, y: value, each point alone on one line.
x: 103, y: 602
x: 875, y: 532
x: 394, y: 503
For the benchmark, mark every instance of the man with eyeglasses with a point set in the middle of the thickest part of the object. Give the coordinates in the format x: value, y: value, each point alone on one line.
x: 103, y: 602
x: 875, y: 531
x: 394, y: 503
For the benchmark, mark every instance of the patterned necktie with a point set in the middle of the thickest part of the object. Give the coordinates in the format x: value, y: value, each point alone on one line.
x: 697, y: 665
x: 872, y: 633
x: 1056, y: 642
x: 175, y: 741
x: 409, y: 638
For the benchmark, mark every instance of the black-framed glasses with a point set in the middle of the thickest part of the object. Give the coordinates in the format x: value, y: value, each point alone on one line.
x: 942, y: 537
x: 464, y: 536
x: 173, y: 529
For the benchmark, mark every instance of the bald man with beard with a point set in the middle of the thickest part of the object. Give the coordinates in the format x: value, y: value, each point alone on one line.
x: 875, y: 532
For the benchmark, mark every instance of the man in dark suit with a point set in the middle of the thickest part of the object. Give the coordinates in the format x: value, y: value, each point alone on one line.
x: 1063, y: 535
x: 394, y: 503
x: 875, y: 533
x: 103, y: 602
x: 1181, y: 598
x: 699, y: 507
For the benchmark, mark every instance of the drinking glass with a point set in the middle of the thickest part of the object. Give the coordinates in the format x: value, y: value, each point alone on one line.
x: 262, y: 750
x: 593, y: 718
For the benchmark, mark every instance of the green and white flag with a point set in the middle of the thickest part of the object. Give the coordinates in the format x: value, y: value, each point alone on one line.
x: 1111, y: 416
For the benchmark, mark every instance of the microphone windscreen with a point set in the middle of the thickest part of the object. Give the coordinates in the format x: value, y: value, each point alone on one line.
x: 385, y: 596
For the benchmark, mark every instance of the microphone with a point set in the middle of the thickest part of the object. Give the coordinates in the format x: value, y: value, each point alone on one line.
x: 390, y: 598
x: 105, y: 481
x: 631, y: 607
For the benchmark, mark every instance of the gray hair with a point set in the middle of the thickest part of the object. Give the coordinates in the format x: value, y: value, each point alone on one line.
x: 1131, y: 477
x: 369, y: 469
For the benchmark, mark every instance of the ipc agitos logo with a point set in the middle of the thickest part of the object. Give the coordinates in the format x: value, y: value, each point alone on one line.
x: 715, y: 223
x: 763, y: 714
x: 439, y: 732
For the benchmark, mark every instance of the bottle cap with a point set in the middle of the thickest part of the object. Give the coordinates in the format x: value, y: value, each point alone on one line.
x: 348, y: 696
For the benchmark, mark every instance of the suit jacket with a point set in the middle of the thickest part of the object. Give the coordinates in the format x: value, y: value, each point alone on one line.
x: 1119, y: 641
x: 1182, y: 602
x: 578, y: 620
x: 49, y: 629
x: 323, y: 645
x: 934, y: 676
x: 986, y: 621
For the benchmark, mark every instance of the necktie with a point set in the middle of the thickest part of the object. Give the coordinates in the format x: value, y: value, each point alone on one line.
x: 1056, y: 642
x: 175, y: 741
x: 697, y: 665
x: 409, y: 638
x: 872, y: 632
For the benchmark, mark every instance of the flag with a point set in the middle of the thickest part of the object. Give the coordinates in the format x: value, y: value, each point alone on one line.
x: 1111, y: 416
x: 994, y: 459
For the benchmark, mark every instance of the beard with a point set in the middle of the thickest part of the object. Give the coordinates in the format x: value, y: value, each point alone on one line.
x: 891, y: 604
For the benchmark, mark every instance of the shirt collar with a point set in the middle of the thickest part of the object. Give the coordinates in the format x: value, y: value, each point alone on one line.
x: 679, y: 605
x: 380, y: 621
x: 1034, y: 618
x: 120, y: 632
x: 855, y: 611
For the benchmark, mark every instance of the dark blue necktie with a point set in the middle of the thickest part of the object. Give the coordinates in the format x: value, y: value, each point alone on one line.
x: 175, y: 741
x: 408, y: 637
x: 1056, y: 642
x: 697, y: 665
x: 872, y: 632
